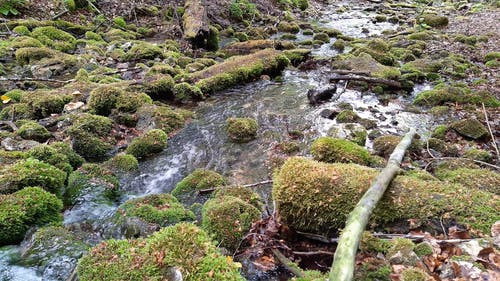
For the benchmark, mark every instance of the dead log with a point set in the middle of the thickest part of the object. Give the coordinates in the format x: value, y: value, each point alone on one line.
x: 344, y: 259
x: 196, y: 25
x: 390, y: 83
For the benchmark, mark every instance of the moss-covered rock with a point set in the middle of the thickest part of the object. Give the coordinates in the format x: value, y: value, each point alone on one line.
x: 441, y: 95
x: 162, y: 87
x: 317, y: 197
x: 470, y: 128
x: 165, y: 118
x: 364, y: 62
x: 228, y: 219
x: 124, y: 163
x: 90, y: 136
x: 184, y: 92
x: 103, y: 99
x: 478, y: 154
x: 384, y: 145
x: 31, y: 172
x: 433, y: 20
x: 52, y: 156
x: 182, y: 247
x: 143, y: 50
x: 28, y: 55
x: 243, y: 193
x: 74, y: 159
x: 160, y: 209
x: 199, y: 179
x: 55, y: 38
x: 31, y: 130
x: 31, y: 206
x: 347, y: 116
x: 241, y: 130
x: 88, y: 178
x: 285, y: 26
x: 150, y: 143
x: 10, y: 157
x: 43, y: 103
x: 329, y: 149
x: 414, y: 274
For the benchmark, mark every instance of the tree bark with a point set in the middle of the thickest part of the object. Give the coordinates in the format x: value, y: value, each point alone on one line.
x: 343, y: 263
x: 390, y: 83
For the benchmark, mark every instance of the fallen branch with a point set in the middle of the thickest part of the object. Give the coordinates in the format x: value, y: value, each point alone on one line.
x: 390, y: 83
x: 347, y: 72
x: 60, y: 14
x: 461, y: 158
x: 491, y: 132
x: 344, y: 259
x: 288, y: 264
x: 13, y: 79
x: 313, y: 253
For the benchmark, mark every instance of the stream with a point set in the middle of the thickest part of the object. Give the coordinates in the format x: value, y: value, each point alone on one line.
x: 278, y: 106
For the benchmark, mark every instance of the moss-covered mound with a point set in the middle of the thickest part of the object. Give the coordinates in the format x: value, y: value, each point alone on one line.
x: 241, y: 130
x: 239, y: 69
x: 31, y: 206
x: 90, y: 136
x: 31, y: 130
x: 329, y: 149
x: 433, y: 20
x: 472, y: 178
x: 55, y: 38
x: 31, y: 172
x: 243, y: 193
x: 43, y: 103
x: 384, y: 145
x: 199, y: 179
x: 443, y: 94
x: 88, y: 178
x: 182, y: 247
x: 228, y: 219
x: 470, y: 128
x: 317, y: 197
x: 150, y: 143
x: 124, y: 163
x: 364, y: 62
x: 50, y: 155
x: 161, y: 209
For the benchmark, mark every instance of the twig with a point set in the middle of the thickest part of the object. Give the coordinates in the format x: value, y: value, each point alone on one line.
x: 35, y: 79
x: 288, y: 264
x: 93, y: 6
x: 314, y: 253
x: 60, y: 14
x: 208, y: 190
x: 442, y: 227
x: 10, y: 124
x: 122, y: 70
x: 491, y: 132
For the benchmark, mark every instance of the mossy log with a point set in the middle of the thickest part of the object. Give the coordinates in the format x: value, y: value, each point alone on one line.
x: 388, y: 82
x: 343, y: 263
x: 196, y: 25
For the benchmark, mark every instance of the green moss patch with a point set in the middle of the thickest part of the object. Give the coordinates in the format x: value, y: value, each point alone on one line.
x: 152, y: 142
x: 329, y: 149
x: 55, y: 38
x: 470, y: 128
x: 199, y: 179
x: 472, y: 178
x: 31, y: 130
x: 442, y: 95
x: 241, y: 130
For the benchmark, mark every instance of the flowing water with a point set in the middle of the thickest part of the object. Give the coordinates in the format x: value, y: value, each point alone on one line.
x: 279, y: 107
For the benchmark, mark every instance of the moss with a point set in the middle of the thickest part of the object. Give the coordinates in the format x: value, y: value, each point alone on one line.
x: 423, y: 249
x: 422, y: 35
x: 143, y: 51
x: 288, y: 36
x: 163, y: 117
x: 74, y: 159
x: 433, y: 20
x: 123, y: 163
x: 90, y: 35
x: 241, y: 130
x: 10, y: 157
x: 472, y: 178
x: 90, y: 175
x: 90, y: 123
x: 25, y: 42
x: 241, y: 36
x: 17, y: 111
x: 228, y: 219
x: 162, y: 87
x: 160, y: 209
x: 152, y: 142
x: 440, y: 132
x: 492, y: 64
x: 317, y: 198
x: 365, y: 63
x: 289, y: 147
x: 103, y: 99
x: 118, y: 35
x: 478, y: 154
x: 55, y: 38
x: 31, y: 130
x: 52, y: 156
x: 492, y: 56
x: 183, y: 246
x: 470, y: 128
x: 378, y: 50
x: 400, y: 245
x: 184, y: 92
x: 199, y: 179
x: 29, y: 55
x: 323, y: 37
x: 372, y: 244
x: 21, y: 30
x: 414, y: 274
x: 120, y: 22
x: 243, y: 193
x: 297, y: 56
x: 129, y: 102
x: 31, y: 172
x: 347, y: 116
x: 339, y: 45
x: 442, y: 147
x: 329, y: 149
x: 384, y: 145
x: 43, y: 103
x: 239, y: 69
x: 31, y: 206
x: 90, y: 146
x: 285, y: 26
x: 15, y: 95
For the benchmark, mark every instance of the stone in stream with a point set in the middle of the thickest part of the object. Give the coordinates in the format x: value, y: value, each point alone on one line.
x: 318, y: 96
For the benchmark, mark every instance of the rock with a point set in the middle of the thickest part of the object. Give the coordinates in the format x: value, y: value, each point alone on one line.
x: 316, y: 97
x: 471, y: 248
x: 495, y: 233
x: 11, y: 144
x: 349, y: 131
x: 72, y: 106
x: 329, y: 113
x: 59, y: 268
x: 470, y: 128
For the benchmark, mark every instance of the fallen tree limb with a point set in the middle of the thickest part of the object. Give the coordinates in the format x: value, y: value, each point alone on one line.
x: 493, y: 140
x: 13, y: 79
x: 208, y: 190
x: 288, y: 264
x: 344, y: 259
x: 390, y: 83
x: 10, y: 124
x: 347, y: 72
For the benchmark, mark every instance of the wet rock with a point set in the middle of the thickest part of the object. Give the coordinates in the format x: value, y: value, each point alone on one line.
x: 11, y: 144
x: 72, y: 106
x: 470, y: 128
x: 350, y: 131
x: 135, y: 227
x: 59, y: 268
x: 329, y: 113
x: 319, y: 96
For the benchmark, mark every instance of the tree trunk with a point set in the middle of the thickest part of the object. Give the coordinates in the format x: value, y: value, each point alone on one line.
x: 196, y: 25
x: 343, y: 263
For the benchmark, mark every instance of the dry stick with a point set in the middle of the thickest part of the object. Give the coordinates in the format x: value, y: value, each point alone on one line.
x: 343, y: 262
x: 60, y: 14
x: 35, y: 79
x: 10, y: 124
x: 491, y: 132
x: 391, y: 83
x: 288, y: 264
x: 313, y: 253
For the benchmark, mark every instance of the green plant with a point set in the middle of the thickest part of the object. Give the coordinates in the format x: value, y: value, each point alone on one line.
x: 9, y: 7
x: 242, y: 9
